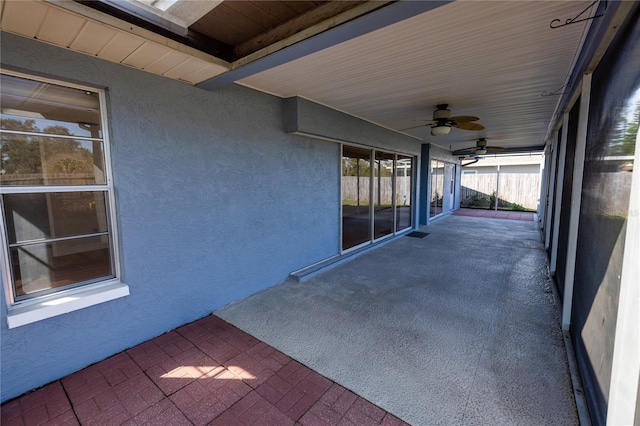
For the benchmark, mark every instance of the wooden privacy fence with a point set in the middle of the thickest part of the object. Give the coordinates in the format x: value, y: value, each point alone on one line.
x: 352, y: 191
x: 509, y: 188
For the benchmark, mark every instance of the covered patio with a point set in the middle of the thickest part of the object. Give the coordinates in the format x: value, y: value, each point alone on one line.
x: 171, y: 169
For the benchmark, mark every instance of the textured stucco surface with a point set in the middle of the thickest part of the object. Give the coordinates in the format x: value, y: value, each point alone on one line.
x: 302, y: 115
x: 214, y: 200
x: 457, y: 328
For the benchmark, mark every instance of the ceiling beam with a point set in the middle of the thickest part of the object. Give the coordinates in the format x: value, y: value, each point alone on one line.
x: 380, y: 18
x: 315, y: 21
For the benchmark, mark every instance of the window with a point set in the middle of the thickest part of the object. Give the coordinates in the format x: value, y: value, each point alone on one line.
x: 437, y: 187
x: 55, y: 189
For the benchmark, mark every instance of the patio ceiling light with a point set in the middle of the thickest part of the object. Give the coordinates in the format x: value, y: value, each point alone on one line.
x: 440, y: 129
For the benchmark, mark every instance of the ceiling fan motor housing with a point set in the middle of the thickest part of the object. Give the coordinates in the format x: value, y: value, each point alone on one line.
x: 442, y: 113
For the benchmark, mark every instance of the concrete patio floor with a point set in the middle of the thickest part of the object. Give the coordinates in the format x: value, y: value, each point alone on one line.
x: 457, y: 328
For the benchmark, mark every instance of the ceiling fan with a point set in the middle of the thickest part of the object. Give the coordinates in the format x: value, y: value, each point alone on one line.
x: 481, y: 148
x: 442, y: 122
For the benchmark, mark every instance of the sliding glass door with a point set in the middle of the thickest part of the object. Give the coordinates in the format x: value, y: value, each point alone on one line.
x: 376, y: 194
x: 383, y: 193
x: 356, y: 193
x: 404, y: 187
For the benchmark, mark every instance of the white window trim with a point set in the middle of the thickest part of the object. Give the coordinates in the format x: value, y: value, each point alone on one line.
x: 39, y: 308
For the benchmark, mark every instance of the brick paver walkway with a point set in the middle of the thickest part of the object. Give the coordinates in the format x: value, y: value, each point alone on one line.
x: 204, y: 373
x: 492, y: 214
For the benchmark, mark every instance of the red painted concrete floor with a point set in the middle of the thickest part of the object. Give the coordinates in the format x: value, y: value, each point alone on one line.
x: 492, y: 214
x: 204, y: 373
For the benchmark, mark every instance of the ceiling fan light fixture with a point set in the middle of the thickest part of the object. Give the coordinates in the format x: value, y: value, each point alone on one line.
x: 481, y: 151
x: 440, y: 130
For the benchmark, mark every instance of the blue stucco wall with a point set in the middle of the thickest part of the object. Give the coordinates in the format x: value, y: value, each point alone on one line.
x: 215, y: 202
x: 308, y: 118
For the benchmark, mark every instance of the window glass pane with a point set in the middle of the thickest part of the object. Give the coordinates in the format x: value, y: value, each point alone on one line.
x: 34, y: 106
x: 34, y: 160
x: 54, y: 215
x: 356, y: 187
x: 41, y: 267
x: 383, y: 194
x: 437, y: 187
x: 404, y: 173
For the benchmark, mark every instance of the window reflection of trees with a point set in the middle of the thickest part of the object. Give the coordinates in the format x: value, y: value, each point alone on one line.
x: 37, y: 160
x: 623, y: 141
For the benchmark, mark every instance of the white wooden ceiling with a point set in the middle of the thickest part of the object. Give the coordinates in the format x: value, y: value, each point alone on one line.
x: 492, y: 59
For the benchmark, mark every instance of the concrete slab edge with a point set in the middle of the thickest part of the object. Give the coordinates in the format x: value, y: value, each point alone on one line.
x: 576, y: 383
x: 304, y: 274
x: 578, y: 394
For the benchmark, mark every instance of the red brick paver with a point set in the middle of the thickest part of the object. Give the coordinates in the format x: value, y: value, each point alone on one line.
x: 48, y: 405
x: 204, y: 373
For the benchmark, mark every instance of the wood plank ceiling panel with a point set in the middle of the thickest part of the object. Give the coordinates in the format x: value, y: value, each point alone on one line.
x: 64, y: 28
x: 60, y: 28
x: 93, y: 38
x: 23, y: 17
x: 184, y: 69
x: 300, y: 7
x: 119, y: 47
x: 224, y: 23
x: 203, y: 74
x: 166, y: 62
x: 145, y: 55
x: 283, y: 10
x: 296, y: 25
x: 234, y: 22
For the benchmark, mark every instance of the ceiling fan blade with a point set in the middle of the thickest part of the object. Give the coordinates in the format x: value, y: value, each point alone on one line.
x: 414, y: 127
x: 469, y: 126
x: 427, y: 121
x: 494, y: 148
x: 464, y: 118
x: 465, y: 151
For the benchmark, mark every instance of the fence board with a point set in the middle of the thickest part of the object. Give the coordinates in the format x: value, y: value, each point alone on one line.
x: 518, y: 188
x: 350, y: 190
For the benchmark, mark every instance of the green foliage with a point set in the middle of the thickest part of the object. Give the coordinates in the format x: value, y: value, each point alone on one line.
x: 357, y: 166
x: 476, y: 200
x: 35, y: 155
x: 517, y: 207
x: 624, y: 142
x: 492, y: 200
